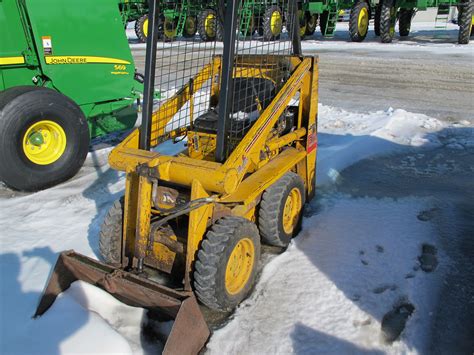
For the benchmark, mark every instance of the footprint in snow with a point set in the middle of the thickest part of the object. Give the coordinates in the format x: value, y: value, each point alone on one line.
x: 382, y: 288
x: 394, y: 321
x: 427, y: 215
x: 428, y: 259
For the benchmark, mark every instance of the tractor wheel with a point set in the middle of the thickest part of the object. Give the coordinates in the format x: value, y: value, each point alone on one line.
x: 190, y: 27
x: 311, y: 23
x: 404, y: 22
x: 377, y: 19
x: 466, y: 12
x: 301, y: 23
x: 272, y: 23
x: 359, y: 21
x: 170, y: 30
x: 280, y: 210
x: 110, y: 237
x: 388, y: 19
x: 141, y: 28
x: 209, y: 26
x: 323, y: 22
x: 44, y: 138
x: 227, y: 263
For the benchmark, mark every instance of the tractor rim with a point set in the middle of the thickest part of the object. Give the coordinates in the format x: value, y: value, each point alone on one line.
x: 302, y: 22
x: 291, y: 210
x: 239, y: 266
x: 210, y: 25
x: 363, y: 21
x: 276, y: 23
x: 145, y: 27
x: 190, y: 25
x: 44, y: 142
x: 169, y: 28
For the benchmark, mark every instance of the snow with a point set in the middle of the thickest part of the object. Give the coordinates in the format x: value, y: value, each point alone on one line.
x: 317, y: 295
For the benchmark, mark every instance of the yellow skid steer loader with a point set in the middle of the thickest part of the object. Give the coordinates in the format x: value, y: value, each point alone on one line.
x: 245, y: 118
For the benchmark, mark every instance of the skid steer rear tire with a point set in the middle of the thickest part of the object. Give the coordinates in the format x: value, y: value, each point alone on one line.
x: 227, y: 263
x: 61, y: 138
x: 404, y: 22
x: 273, y: 210
x: 466, y: 9
x: 110, y: 237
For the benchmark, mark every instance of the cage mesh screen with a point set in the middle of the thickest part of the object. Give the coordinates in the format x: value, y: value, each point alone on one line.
x: 189, y: 61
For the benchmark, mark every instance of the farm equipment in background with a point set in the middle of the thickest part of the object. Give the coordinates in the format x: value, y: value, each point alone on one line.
x: 244, y: 124
x: 64, y: 78
x: 403, y: 11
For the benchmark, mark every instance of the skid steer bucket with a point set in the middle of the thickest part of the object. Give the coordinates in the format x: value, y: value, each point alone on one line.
x: 189, y: 332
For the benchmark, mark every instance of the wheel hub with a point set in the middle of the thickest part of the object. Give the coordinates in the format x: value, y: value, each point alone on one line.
x: 363, y: 21
x: 291, y: 210
x: 44, y: 142
x: 276, y: 23
x: 239, y: 266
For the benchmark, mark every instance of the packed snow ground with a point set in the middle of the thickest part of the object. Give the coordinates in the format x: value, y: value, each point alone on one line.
x: 327, y: 293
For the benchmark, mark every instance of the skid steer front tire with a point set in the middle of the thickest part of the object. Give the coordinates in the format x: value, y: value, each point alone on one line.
x: 110, y: 237
x: 281, y: 210
x: 44, y: 138
x: 227, y: 263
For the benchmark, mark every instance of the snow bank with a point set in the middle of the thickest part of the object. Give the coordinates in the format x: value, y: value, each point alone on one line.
x: 329, y: 291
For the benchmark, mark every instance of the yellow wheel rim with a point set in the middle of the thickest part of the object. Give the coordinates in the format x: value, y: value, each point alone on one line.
x: 190, y: 25
x: 44, y: 142
x: 210, y: 25
x: 170, y: 30
x: 276, y: 23
x: 239, y: 266
x: 145, y: 27
x: 291, y: 210
x: 363, y: 21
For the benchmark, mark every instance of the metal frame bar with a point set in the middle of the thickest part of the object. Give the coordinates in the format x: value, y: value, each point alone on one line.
x: 149, y: 82
x: 227, y: 87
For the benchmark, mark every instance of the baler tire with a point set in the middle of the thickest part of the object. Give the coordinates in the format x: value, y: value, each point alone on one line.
x: 466, y: 9
x: 110, y: 236
x: 268, y: 34
x: 404, y: 22
x: 387, y: 31
x: 377, y: 19
x: 139, y: 31
x: 32, y: 109
x: 271, y: 212
x: 357, y: 33
x: 212, y: 262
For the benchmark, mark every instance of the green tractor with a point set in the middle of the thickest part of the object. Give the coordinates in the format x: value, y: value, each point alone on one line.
x: 403, y: 11
x: 64, y: 78
x: 177, y: 19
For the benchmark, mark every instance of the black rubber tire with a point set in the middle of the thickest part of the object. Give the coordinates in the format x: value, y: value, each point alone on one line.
x: 139, y: 28
x: 311, y: 23
x: 302, y: 23
x: 386, y: 21
x: 20, y: 107
x: 110, y: 237
x: 323, y: 22
x: 404, y: 22
x: 270, y: 219
x: 466, y: 9
x: 190, y: 34
x: 266, y: 23
x: 219, y: 32
x: 212, y: 259
x: 355, y: 34
x: 377, y: 19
